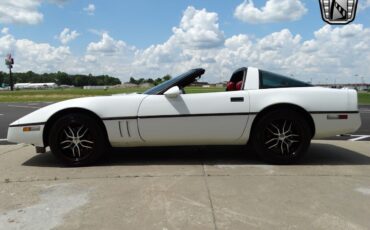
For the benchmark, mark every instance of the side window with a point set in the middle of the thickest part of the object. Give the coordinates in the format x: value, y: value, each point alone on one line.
x: 237, y: 80
x: 270, y: 80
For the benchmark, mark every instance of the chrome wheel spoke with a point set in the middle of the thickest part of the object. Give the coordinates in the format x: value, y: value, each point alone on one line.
x: 276, y: 134
x: 292, y: 135
x: 272, y: 146
x: 282, y: 147
x: 276, y: 128
x: 68, y: 146
x: 66, y: 141
x: 72, y: 142
x: 85, y: 146
x: 79, y: 130
x: 73, y: 151
x: 287, y: 146
x: 73, y: 134
x: 284, y: 127
x: 293, y: 141
x: 78, y: 135
x: 273, y: 139
x: 289, y: 129
x: 281, y: 137
x: 79, y: 151
x: 86, y: 141
x: 82, y: 143
x: 68, y: 135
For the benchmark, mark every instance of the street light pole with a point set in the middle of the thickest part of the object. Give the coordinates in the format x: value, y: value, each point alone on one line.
x: 9, y: 61
x: 11, y: 79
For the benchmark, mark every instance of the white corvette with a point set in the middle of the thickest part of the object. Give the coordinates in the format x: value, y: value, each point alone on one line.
x: 276, y: 115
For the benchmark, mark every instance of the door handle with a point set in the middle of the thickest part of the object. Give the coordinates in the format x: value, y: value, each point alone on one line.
x: 237, y: 99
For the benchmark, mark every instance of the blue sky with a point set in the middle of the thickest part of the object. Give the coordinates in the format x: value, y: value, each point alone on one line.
x: 140, y: 40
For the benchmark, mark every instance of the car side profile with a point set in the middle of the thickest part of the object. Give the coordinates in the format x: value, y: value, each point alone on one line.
x: 276, y: 115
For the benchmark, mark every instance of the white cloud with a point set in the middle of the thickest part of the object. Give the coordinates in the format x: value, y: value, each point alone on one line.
x: 38, y: 57
x: 333, y: 53
x: 273, y: 11
x: 7, y: 44
x: 23, y: 11
x: 90, y: 9
x: 67, y: 35
x: 198, y: 32
x: 58, y: 2
x: 364, y: 4
x: 107, y: 45
x: 5, y: 30
x: 20, y: 11
x: 90, y: 58
x: 198, y: 29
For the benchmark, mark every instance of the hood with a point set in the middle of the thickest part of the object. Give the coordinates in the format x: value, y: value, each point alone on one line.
x: 103, y: 106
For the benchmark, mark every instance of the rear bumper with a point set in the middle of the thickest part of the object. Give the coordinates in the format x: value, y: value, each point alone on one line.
x: 34, y: 137
x: 325, y: 126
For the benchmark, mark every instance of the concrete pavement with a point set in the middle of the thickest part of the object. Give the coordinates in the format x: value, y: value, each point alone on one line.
x: 187, y: 188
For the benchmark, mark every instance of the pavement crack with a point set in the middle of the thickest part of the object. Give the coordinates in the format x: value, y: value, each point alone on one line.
x: 8, y: 180
x: 12, y: 150
x: 205, y: 175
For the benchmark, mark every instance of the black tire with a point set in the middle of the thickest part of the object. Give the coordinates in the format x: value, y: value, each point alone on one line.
x: 77, y: 140
x: 281, y: 137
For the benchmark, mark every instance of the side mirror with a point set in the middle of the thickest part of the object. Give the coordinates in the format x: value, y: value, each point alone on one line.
x: 173, y: 92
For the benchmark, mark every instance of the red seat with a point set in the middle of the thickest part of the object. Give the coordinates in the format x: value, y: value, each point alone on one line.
x: 239, y: 85
x: 230, y: 86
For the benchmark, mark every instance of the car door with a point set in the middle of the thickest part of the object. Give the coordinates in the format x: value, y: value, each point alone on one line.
x: 190, y: 119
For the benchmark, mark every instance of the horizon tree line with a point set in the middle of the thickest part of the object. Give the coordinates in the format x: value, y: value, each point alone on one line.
x: 78, y: 80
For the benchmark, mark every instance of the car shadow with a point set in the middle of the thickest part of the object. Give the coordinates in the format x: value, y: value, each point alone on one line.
x: 318, y: 154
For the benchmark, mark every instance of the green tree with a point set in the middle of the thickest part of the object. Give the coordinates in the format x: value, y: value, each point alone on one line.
x: 133, y: 80
x: 2, y: 78
x: 166, y: 77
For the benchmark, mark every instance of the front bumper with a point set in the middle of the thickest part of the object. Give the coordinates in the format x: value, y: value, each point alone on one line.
x: 16, y: 134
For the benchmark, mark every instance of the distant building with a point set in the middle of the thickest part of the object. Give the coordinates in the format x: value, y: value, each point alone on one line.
x: 357, y: 86
x: 35, y: 85
x: 95, y: 87
x: 146, y: 85
x: 198, y: 83
x: 129, y: 85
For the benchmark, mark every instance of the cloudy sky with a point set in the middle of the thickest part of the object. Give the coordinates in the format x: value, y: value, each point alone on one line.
x: 145, y: 38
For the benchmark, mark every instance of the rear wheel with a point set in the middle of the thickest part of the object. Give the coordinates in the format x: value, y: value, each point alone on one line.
x: 77, y: 139
x: 281, y: 137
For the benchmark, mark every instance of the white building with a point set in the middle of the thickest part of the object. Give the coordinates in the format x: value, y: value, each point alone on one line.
x: 35, y: 85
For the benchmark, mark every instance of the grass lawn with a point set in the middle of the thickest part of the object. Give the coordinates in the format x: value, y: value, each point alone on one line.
x: 364, y: 98
x: 64, y: 94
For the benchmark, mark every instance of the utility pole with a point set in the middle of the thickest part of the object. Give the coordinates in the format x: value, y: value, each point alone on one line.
x: 9, y: 61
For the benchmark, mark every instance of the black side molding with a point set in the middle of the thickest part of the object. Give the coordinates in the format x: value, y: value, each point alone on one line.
x: 330, y: 112
x: 28, y: 124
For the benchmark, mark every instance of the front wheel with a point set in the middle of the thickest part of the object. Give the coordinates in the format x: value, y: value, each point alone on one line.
x: 281, y: 137
x: 77, y: 139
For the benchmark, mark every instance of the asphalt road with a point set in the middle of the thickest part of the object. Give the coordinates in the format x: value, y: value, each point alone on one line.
x: 10, y: 112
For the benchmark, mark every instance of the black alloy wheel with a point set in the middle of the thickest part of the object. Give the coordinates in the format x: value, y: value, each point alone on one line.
x: 281, y: 137
x: 77, y: 139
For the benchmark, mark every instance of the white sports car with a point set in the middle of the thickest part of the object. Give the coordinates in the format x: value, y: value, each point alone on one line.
x: 277, y: 116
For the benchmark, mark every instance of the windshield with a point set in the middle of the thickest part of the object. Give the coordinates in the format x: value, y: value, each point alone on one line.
x: 172, y: 82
